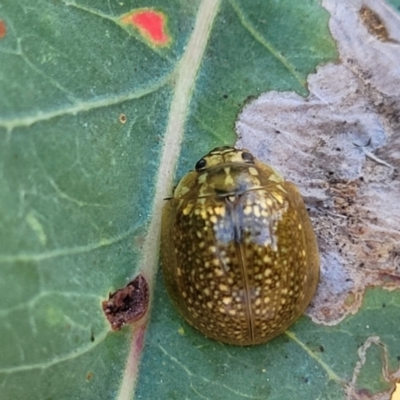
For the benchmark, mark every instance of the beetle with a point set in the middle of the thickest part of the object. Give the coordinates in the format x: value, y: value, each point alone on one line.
x: 239, y: 255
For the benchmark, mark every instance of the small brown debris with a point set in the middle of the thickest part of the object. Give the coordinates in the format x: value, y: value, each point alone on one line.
x: 374, y: 24
x: 122, y: 118
x: 89, y: 376
x: 127, y: 305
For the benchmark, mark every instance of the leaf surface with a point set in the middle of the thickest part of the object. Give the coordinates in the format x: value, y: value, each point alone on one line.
x: 101, y: 103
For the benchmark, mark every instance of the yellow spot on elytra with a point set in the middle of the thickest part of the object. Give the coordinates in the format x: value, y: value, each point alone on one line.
x: 227, y: 300
x: 267, y: 300
x: 268, y: 272
x: 269, y: 202
x: 232, y: 312
x: 275, y: 178
x: 281, y: 188
x: 247, y: 210
x: 253, y: 171
x: 278, y: 197
x: 267, y: 259
x: 219, y: 211
x: 223, y: 288
x: 187, y: 209
x: 210, y: 304
x: 256, y: 211
x: 181, y: 191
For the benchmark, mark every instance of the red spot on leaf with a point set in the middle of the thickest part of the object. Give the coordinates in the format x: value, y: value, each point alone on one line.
x: 3, y: 29
x: 152, y: 25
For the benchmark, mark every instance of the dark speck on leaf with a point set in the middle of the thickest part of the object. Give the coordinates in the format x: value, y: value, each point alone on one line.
x: 249, y: 98
x: 89, y: 376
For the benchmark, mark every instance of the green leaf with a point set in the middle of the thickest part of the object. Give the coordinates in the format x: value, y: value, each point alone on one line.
x: 95, y: 117
x: 77, y: 187
x: 308, y: 362
x: 395, y: 3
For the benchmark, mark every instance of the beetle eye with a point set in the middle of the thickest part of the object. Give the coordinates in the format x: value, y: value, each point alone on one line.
x: 247, y: 157
x: 201, y: 164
